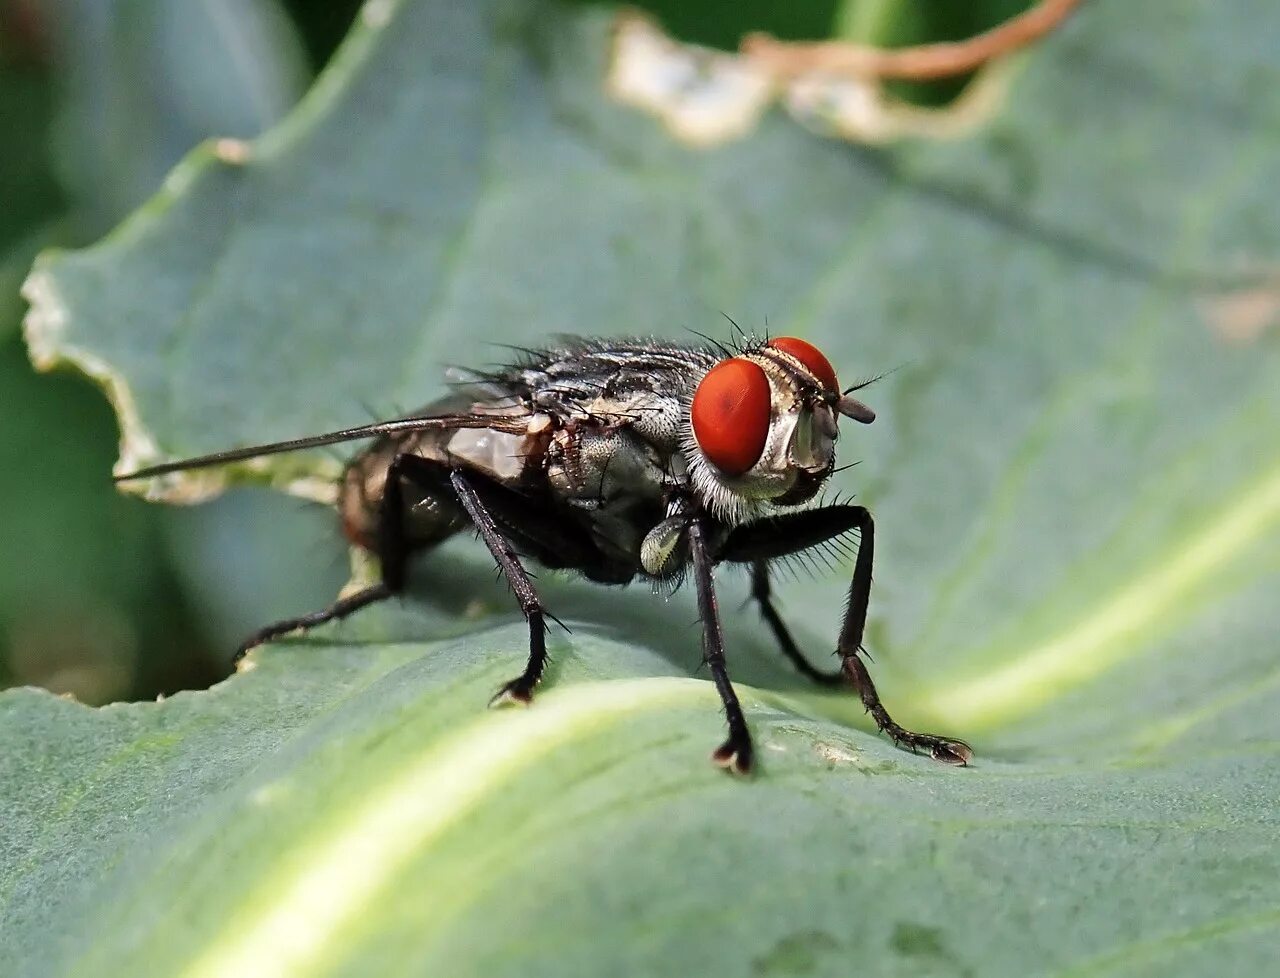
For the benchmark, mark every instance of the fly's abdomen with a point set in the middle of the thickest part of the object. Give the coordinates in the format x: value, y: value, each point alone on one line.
x: 360, y: 495
x: 429, y: 516
x: 499, y: 454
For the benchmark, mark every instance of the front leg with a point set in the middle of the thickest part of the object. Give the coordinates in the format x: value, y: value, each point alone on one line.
x: 790, y: 533
x: 762, y: 593
x: 736, y: 753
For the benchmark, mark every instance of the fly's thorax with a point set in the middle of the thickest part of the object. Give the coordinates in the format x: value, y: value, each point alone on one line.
x: 592, y: 461
x: 762, y: 429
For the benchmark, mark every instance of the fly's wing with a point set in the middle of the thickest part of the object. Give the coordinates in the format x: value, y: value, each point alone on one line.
x: 401, y: 426
x: 639, y: 381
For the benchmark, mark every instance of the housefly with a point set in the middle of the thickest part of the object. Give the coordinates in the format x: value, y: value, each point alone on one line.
x: 618, y: 459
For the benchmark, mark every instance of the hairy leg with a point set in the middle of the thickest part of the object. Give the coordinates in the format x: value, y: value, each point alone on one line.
x: 777, y: 536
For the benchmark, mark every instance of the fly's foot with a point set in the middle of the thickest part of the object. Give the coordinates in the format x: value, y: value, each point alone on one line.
x: 518, y: 691
x: 951, y: 751
x: 943, y: 749
x: 736, y: 754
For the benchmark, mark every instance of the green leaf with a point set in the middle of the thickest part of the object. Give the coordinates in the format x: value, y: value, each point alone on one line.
x: 144, y: 80
x: 90, y: 603
x: 1074, y: 472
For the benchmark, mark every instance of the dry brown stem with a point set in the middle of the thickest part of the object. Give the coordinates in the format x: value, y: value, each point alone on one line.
x: 924, y: 62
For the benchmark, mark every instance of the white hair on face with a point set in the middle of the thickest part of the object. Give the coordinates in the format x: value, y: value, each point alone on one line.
x: 709, y: 484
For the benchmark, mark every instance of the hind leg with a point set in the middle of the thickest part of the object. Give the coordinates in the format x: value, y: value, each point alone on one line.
x: 336, y: 611
x: 392, y: 547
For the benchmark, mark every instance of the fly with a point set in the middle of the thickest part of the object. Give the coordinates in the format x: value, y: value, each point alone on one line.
x: 618, y: 459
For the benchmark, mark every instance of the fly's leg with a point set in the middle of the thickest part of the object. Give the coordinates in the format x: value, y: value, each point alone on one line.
x: 850, y: 644
x: 736, y: 753
x: 439, y: 478
x: 338, y: 610
x: 521, y: 688
x: 778, y: 536
x: 393, y: 554
x: 763, y: 595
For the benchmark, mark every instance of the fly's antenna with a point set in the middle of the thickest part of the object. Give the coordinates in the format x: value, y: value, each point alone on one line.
x: 867, y: 383
x: 851, y: 407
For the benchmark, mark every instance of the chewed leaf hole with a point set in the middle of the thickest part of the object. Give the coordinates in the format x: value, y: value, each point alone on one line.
x: 707, y: 96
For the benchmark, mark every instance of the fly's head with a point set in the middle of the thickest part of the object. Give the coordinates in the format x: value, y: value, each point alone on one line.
x: 763, y: 427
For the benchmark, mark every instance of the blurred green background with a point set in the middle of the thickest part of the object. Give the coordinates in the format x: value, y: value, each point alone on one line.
x: 104, y: 596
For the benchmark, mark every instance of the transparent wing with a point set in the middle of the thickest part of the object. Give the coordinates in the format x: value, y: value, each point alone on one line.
x: 514, y: 425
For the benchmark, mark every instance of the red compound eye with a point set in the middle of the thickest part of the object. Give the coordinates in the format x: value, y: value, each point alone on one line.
x: 731, y: 415
x: 811, y: 357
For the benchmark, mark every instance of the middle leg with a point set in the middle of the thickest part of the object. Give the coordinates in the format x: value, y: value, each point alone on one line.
x: 521, y: 688
x: 438, y: 477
